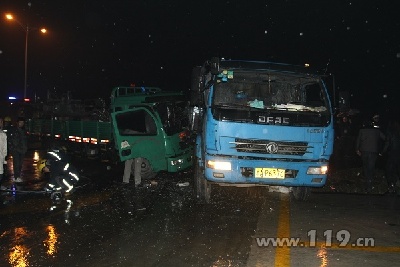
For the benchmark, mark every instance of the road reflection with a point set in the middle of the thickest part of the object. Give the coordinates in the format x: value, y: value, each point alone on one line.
x: 19, y: 238
x: 35, y: 165
x: 323, y: 255
x: 51, y: 241
x: 19, y: 252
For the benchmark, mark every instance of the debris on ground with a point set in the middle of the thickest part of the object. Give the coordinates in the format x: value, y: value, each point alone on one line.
x: 352, y: 181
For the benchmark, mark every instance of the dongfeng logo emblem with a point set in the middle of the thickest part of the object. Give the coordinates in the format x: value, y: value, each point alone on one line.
x: 272, y: 148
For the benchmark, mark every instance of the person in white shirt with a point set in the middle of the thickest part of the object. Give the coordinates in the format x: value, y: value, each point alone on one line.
x: 3, y: 148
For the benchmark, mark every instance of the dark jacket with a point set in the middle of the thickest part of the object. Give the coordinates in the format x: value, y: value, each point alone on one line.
x: 370, y: 140
x: 56, y: 161
x: 17, y: 140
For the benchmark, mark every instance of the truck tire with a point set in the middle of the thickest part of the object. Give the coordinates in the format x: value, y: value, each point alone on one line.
x: 202, y: 188
x: 147, y: 171
x: 301, y: 193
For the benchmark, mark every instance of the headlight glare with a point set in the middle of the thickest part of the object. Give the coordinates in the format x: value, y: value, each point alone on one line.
x: 317, y: 170
x: 219, y: 165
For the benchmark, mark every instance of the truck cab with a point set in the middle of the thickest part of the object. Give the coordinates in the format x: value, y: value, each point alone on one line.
x: 151, y: 124
x: 260, y: 124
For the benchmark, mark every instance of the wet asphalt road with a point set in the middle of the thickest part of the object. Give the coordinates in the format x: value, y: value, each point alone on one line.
x: 107, y: 224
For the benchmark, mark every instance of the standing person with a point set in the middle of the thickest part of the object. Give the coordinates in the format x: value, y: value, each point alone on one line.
x: 17, y: 143
x: 128, y: 171
x: 392, y: 148
x: 6, y: 124
x: 376, y: 121
x: 128, y: 164
x: 6, y: 128
x: 3, y: 149
x: 369, y: 146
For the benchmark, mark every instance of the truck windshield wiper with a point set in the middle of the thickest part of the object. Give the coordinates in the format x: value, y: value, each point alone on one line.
x: 243, y: 107
x: 233, y: 105
x: 299, y: 107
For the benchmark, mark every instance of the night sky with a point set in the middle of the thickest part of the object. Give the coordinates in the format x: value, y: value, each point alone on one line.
x: 92, y: 46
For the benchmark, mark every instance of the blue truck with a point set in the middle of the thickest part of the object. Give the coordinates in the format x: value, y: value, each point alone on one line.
x: 260, y: 124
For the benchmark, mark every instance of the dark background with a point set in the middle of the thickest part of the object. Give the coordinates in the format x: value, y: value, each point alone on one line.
x: 92, y: 46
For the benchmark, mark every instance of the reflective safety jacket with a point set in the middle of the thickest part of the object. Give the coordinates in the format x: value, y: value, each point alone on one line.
x: 63, y: 176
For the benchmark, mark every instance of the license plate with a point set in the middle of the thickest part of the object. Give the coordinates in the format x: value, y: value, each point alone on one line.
x: 270, y: 173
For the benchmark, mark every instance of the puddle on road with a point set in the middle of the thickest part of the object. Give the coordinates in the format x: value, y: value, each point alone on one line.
x: 23, y: 242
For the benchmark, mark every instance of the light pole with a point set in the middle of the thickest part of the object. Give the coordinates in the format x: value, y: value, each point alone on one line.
x: 26, y: 29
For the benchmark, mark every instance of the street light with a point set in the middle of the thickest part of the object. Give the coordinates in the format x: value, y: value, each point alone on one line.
x: 26, y: 28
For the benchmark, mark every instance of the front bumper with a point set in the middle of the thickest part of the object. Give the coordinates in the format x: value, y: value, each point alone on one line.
x: 243, y: 172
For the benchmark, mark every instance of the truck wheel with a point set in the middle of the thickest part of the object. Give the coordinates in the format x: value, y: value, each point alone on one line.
x: 301, y: 193
x: 202, y: 188
x: 146, y: 170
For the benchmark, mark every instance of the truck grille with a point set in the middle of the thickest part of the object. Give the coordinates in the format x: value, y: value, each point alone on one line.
x: 270, y: 147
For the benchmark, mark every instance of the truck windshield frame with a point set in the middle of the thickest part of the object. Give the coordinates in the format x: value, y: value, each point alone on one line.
x: 272, y: 92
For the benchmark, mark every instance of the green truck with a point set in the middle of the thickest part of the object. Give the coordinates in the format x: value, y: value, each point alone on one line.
x: 145, y: 123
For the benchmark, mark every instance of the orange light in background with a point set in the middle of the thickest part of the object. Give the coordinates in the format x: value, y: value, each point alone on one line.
x: 27, y: 100
x: 36, y: 156
x: 9, y: 16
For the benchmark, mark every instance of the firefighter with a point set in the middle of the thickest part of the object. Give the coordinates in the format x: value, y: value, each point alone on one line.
x: 63, y: 176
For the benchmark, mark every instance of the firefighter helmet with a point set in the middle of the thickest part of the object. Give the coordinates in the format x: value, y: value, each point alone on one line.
x: 42, y: 164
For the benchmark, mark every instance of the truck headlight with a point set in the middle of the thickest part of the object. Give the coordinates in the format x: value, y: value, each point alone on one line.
x: 317, y: 170
x: 219, y: 165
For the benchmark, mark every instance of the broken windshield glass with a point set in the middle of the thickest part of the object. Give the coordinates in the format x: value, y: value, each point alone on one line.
x: 174, y: 116
x: 277, y: 92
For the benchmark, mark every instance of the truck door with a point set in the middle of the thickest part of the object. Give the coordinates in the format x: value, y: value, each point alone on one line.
x: 137, y: 133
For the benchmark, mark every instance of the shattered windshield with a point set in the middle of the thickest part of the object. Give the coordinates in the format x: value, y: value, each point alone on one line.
x: 277, y: 92
x: 173, y: 116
